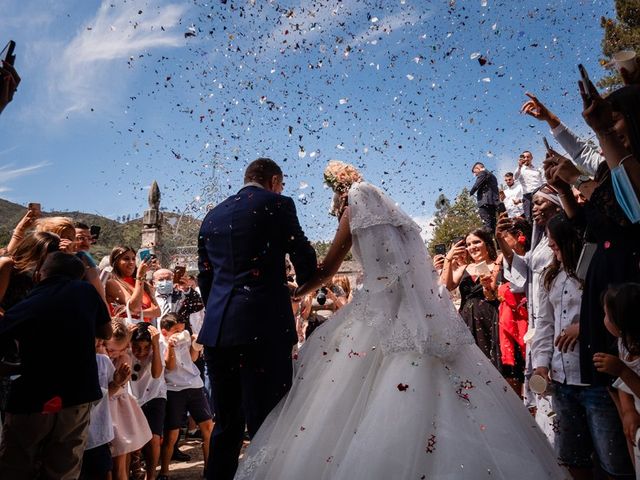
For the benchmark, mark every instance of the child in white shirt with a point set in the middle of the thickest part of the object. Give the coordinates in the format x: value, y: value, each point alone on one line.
x: 185, y: 389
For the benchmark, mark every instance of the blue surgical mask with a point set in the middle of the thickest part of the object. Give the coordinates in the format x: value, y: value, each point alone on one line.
x: 164, y: 287
x: 625, y: 194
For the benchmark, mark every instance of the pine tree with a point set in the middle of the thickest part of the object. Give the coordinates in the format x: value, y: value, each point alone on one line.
x: 454, y: 220
x: 622, y: 33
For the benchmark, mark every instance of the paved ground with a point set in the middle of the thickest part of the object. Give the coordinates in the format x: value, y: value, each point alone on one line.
x: 192, y: 469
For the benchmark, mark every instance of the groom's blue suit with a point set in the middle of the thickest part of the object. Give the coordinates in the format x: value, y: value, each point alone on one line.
x: 249, y: 328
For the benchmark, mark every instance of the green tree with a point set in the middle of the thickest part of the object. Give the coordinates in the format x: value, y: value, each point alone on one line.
x: 621, y: 33
x: 454, y: 220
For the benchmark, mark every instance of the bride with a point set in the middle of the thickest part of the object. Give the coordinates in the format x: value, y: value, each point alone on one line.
x: 392, y: 386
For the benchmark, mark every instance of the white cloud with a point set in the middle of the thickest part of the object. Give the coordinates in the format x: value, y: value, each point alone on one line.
x: 81, y: 75
x: 9, y: 172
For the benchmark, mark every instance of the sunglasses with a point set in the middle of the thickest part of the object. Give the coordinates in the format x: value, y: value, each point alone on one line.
x: 136, y: 368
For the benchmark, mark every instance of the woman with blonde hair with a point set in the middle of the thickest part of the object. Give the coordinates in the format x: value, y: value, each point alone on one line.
x: 127, y: 287
x: 66, y: 230
x: 18, y: 271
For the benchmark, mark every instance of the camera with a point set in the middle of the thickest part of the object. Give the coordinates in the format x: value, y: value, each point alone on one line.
x: 321, y: 296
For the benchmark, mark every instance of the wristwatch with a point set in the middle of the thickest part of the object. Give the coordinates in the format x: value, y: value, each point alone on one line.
x: 581, y: 179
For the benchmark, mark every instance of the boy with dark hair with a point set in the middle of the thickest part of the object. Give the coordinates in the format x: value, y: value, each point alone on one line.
x: 185, y: 389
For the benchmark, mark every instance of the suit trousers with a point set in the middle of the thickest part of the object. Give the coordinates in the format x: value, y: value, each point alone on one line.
x: 488, y: 216
x: 247, y: 382
x: 48, y: 446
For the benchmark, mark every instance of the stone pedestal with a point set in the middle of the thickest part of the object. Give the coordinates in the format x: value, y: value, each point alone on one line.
x: 152, y: 220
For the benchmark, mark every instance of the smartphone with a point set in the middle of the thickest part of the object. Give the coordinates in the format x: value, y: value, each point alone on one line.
x: 457, y: 240
x: 178, y: 273
x: 95, y: 233
x: 35, y: 207
x: 546, y: 144
x: 440, y: 249
x: 501, y: 208
x: 7, y: 55
x: 144, y: 254
x: 584, y: 79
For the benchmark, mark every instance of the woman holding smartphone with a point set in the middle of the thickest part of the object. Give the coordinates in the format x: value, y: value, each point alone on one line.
x: 473, y: 265
x: 127, y: 287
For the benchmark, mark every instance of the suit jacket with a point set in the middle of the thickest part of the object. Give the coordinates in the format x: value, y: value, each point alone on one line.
x: 486, y: 189
x: 241, y: 258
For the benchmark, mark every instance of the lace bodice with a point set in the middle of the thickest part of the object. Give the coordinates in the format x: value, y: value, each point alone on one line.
x: 401, y: 296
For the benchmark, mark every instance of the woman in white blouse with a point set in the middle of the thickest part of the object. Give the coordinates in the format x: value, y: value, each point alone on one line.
x: 586, y: 422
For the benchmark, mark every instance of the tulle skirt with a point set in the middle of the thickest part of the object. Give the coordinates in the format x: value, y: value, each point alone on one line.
x: 130, y: 427
x: 354, y: 413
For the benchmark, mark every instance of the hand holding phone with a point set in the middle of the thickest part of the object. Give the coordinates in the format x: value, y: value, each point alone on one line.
x: 35, y: 208
x: 9, y: 78
x: 95, y: 233
x: 440, y: 249
x: 144, y: 254
x: 7, y: 55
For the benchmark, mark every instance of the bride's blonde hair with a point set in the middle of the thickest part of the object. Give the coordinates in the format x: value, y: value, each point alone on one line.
x: 340, y: 176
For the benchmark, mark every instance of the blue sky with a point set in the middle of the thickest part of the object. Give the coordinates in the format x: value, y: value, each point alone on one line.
x: 118, y: 93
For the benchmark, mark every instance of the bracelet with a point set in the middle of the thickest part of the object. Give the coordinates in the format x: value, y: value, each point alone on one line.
x: 142, y: 279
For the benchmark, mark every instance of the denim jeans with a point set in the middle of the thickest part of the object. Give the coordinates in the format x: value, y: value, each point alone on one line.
x: 587, y: 421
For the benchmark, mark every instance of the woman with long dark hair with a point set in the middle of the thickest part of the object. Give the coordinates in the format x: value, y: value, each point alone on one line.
x: 127, y: 287
x: 587, y: 423
x: 477, y: 280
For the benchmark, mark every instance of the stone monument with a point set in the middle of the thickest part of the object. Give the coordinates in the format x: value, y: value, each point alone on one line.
x: 152, y: 220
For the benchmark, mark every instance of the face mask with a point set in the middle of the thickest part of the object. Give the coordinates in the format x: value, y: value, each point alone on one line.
x: 625, y: 194
x: 164, y: 287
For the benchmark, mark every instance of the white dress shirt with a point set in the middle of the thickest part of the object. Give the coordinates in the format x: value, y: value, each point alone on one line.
x: 530, y: 178
x: 559, y: 308
x: 512, y: 195
x: 145, y: 387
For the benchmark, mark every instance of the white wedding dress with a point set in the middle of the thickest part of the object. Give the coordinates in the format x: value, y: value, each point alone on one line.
x: 392, y: 386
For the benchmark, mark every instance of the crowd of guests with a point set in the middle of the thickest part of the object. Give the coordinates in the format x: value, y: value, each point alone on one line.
x: 553, y: 306
x: 132, y: 400
x: 149, y: 381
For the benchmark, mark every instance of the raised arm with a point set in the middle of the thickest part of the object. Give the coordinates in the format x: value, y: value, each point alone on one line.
x: 339, y: 248
x: 451, y: 271
x: 300, y: 250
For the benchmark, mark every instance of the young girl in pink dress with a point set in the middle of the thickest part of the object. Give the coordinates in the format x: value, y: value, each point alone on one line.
x: 131, y: 430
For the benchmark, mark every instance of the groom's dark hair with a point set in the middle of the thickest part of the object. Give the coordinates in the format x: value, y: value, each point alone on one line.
x: 261, y: 170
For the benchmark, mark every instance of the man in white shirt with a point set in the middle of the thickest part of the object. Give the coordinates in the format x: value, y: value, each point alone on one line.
x: 530, y: 178
x: 513, y: 196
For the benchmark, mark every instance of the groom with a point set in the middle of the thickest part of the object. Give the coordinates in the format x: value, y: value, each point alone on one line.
x: 249, y: 329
